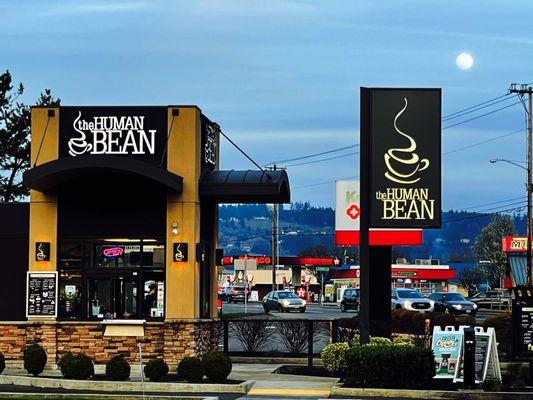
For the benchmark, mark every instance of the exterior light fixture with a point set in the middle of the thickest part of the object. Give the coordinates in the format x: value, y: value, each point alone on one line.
x: 175, y: 228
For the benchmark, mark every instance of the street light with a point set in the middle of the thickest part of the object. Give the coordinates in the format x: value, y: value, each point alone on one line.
x: 528, y: 224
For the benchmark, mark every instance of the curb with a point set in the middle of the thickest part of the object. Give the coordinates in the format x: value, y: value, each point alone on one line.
x: 111, y: 386
x: 56, y: 396
x: 430, y: 394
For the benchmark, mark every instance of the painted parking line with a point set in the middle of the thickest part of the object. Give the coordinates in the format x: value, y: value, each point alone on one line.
x: 288, y: 392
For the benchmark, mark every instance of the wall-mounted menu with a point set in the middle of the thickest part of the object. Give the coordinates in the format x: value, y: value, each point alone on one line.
x: 41, y: 294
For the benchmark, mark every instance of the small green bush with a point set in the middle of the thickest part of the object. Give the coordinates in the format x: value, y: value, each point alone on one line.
x: 2, y: 363
x: 191, y: 369
x: 389, y: 367
x: 217, y: 366
x: 443, y: 320
x: 334, y: 357
x: 77, y: 366
x: 403, y: 340
x: 117, y: 369
x: 156, y: 369
x: 34, y: 359
x: 467, y: 320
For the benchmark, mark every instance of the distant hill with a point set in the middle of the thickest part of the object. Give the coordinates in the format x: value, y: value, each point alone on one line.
x: 248, y: 228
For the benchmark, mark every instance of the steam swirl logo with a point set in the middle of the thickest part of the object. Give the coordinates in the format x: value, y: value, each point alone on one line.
x: 78, y: 146
x: 404, y: 156
x: 41, y: 256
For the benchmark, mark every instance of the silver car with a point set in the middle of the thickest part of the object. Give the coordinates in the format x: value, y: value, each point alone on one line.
x: 410, y: 299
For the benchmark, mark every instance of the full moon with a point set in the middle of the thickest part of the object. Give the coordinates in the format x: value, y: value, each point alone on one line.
x: 464, y: 61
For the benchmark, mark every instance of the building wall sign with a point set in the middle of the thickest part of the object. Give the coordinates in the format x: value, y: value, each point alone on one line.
x: 42, y: 251
x: 514, y: 243
x: 405, y: 157
x: 180, y: 252
x: 138, y: 132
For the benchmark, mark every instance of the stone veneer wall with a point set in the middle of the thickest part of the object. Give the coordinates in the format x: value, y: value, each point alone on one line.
x: 171, y: 340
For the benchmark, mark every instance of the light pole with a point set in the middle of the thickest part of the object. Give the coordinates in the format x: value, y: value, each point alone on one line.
x: 528, y: 189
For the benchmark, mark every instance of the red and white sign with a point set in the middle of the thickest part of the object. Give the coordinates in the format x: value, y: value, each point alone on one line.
x: 514, y: 243
x: 348, y: 214
x: 301, y: 293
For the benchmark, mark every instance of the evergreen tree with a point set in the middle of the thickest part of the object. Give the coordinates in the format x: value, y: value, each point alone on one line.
x: 15, y: 137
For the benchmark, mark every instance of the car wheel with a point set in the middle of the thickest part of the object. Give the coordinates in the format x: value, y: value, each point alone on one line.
x: 265, y: 309
x: 280, y: 308
x: 398, y: 306
x: 302, y: 310
x: 343, y: 307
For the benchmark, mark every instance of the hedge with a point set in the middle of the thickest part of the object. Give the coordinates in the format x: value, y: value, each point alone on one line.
x: 399, y: 367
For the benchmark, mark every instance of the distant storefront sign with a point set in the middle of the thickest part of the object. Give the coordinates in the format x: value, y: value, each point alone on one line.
x: 514, y: 243
x: 404, y: 152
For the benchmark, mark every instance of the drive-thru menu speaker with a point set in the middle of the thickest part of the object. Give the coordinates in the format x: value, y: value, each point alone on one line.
x: 404, y: 157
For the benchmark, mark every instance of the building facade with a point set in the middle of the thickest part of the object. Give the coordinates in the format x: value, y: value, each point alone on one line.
x: 121, y: 227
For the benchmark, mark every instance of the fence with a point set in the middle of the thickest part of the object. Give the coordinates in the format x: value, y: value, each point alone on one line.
x: 283, y: 337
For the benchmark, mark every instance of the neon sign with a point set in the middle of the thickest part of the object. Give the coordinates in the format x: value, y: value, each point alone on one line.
x: 112, y: 252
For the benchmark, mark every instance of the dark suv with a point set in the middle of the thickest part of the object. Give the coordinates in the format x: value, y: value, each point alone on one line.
x: 350, y: 300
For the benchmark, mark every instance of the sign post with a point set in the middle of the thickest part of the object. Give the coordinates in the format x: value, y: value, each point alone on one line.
x: 400, y: 185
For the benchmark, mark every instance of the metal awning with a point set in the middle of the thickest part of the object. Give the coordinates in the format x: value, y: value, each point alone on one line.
x: 518, y: 268
x: 47, y: 176
x: 246, y: 186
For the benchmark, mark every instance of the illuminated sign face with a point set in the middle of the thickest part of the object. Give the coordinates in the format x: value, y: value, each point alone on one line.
x: 126, y: 131
x: 113, y: 252
x: 404, y: 144
x: 42, y: 251
x: 514, y: 243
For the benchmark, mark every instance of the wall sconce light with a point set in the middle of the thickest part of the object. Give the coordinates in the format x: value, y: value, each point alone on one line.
x: 175, y: 228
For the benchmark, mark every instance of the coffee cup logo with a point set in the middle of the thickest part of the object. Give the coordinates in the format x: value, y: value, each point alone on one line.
x: 404, y: 158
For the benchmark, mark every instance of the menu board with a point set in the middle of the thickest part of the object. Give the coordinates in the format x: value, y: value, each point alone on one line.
x: 41, y: 294
x: 525, y: 329
x: 446, y: 345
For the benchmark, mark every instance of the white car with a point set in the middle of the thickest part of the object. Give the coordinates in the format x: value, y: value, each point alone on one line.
x: 410, y: 299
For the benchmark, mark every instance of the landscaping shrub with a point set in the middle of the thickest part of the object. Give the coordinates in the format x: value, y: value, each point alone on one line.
x: 34, y: 359
x: 467, y: 320
x: 401, y: 320
x: 334, y: 357
x: 293, y: 334
x: 156, y: 369
x: 117, y: 369
x: 403, y: 340
x: 191, y: 369
x: 418, y: 323
x: 217, y: 366
x: 389, y: 367
x: 501, y: 323
x: 491, y: 385
x: 443, y: 320
x: 77, y: 366
x: 2, y: 363
x: 346, y: 329
x: 518, y: 374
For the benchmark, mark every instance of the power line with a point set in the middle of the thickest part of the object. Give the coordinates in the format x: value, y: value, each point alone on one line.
x: 322, y: 160
x: 313, y: 155
x: 477, y: 105
x: 483, y: 142
x: 472, y: 109
x: 495, y: 202
x: 483, y: 215
x: 480, y: 116
x: 243, y: 152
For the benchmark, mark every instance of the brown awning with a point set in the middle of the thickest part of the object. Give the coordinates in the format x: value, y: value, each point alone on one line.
x: 246, y: 186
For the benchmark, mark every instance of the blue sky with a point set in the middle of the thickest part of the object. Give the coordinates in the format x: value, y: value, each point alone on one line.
x: 282, y: 77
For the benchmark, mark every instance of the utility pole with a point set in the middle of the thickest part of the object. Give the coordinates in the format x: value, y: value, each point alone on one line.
x: 522, y: 91
x: 274, y: 241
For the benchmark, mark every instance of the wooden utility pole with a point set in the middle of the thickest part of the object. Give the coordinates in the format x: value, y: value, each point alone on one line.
x: 522, y: 91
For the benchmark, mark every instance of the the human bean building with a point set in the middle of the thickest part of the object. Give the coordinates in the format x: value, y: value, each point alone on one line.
x: 121, y: 226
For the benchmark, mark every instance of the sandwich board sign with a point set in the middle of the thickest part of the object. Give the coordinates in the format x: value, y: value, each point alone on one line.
x: 487, y: 362
x: 447, y: 344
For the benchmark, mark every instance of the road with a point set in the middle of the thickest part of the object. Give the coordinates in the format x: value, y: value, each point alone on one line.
x: 314, y: 311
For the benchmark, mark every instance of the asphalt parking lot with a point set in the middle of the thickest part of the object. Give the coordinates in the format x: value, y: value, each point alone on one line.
x: 314, y: 311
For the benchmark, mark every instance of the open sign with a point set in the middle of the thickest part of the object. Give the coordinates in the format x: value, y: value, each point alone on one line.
x: 111, y: 252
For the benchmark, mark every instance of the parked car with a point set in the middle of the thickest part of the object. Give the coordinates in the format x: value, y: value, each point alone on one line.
x: 350, y: 300
x: 492, y: 299
x: 410, y: 299
x: 235, y: 294
x: 283, y: 301
x: 453, y: 303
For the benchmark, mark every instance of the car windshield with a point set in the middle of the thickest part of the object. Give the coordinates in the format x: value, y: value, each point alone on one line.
x: 287, y: 295
x: 453, y: 297
x: 409, y: 294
